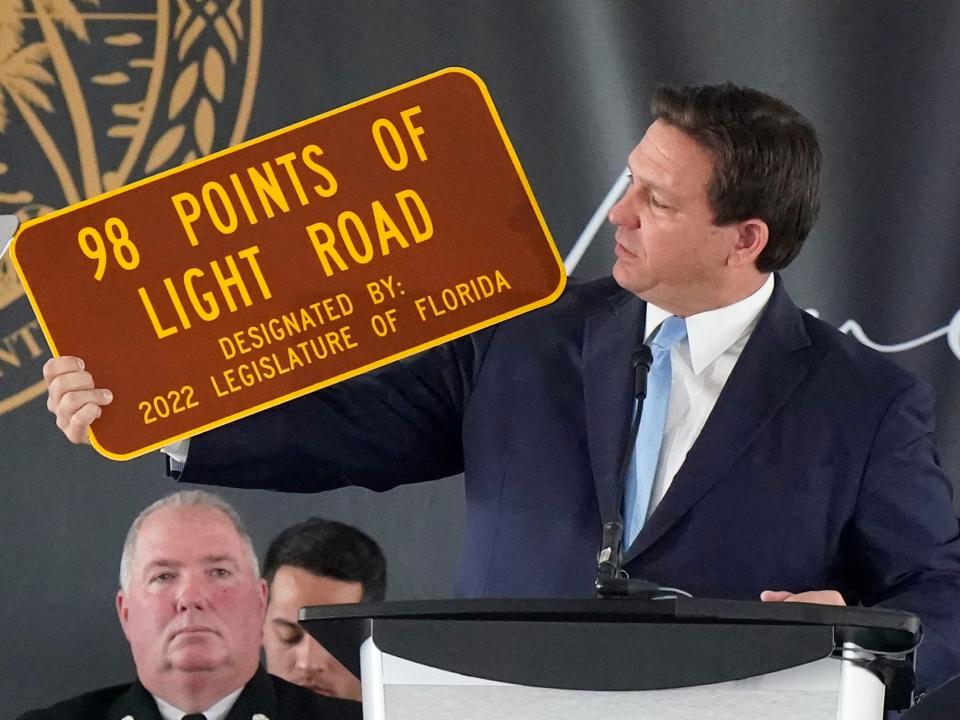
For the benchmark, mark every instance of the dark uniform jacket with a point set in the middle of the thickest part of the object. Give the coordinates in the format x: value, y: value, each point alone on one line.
x: 265, y: 697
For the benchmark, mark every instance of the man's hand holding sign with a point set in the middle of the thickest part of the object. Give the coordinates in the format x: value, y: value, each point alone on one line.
x: 286, y: 264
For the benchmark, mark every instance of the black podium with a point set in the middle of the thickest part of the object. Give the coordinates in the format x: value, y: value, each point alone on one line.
x: 674, y: 658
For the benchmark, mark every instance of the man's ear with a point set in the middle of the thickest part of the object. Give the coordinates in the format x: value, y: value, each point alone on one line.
x: 752, y: 237
x: 123, y: 611
x: 264, y: 595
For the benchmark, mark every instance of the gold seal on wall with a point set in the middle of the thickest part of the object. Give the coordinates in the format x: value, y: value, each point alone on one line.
x: 96, y: 94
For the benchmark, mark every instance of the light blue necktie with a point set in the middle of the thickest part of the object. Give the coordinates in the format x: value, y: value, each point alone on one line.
x: 646, y: 453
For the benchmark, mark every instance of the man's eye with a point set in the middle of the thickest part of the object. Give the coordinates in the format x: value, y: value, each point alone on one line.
x: 220, y: 572
x: 291, y: 639
x: 656, y: 203
x: 161, y: 577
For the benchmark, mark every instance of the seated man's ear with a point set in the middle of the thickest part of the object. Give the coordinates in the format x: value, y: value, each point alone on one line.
x: 123, y: 611
x: 264, y: 594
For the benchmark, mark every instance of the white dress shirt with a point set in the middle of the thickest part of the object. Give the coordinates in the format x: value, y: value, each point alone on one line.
x: 218, y: 711
x: 701, y: 364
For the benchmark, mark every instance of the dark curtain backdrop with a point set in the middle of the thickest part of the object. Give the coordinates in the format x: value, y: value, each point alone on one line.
x: 571, y: 79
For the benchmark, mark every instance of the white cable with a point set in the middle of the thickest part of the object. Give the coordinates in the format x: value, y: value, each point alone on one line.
x: 599, y: 216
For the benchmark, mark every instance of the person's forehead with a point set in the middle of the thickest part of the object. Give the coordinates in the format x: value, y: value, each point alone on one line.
x: 294, y: 587
x: 184, y: 533
x: 667, y: 155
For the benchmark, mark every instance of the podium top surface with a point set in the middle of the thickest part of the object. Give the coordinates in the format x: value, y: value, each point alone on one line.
x: 872, y: 628
x: 616, y: 643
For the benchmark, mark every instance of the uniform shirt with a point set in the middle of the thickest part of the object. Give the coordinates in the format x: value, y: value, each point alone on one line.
x: 218, y: 711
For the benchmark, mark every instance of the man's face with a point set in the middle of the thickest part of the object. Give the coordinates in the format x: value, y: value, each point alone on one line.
x: 291, y: 653
x: 669, y: 251
x: 194, y: 610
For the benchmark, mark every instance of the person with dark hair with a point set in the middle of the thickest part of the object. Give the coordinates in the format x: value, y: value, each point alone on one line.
x: 191, y: 604
x: 776, y: 457
x: 766, y: 161
x: 316, y: 562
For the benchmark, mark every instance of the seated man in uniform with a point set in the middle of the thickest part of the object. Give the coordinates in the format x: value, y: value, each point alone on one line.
x: 191, y: 604
x: 316, y: 562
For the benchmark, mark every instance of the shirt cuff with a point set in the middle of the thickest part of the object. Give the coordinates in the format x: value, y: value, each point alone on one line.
x: 176, y: 455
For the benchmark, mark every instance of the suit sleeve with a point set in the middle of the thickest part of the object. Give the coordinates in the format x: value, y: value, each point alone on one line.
x: 400, y: 424
x: 906, y: 547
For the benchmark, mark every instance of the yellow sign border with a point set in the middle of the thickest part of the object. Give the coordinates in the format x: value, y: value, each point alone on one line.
x: 343, y: 376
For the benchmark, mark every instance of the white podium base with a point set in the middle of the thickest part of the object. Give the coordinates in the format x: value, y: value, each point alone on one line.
x: 829, y: 689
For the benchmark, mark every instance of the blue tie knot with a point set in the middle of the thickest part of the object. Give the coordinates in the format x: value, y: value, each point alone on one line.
x: 672, y: 331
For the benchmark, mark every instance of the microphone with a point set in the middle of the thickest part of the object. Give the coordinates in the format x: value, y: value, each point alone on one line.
x: 608, y: 560
x: 641, y: 361
x: 611, y: 580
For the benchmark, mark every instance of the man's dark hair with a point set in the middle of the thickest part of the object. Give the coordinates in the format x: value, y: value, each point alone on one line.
x: 766, y: 160
x: 330, y: 549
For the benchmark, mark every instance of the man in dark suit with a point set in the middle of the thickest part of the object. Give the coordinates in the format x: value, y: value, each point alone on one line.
x: 191, y: 604
x: 786, y: 461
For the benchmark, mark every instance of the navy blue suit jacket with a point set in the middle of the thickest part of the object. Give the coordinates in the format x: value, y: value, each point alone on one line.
x: 815, y: 469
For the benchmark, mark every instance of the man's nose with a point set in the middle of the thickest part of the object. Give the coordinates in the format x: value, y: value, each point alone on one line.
x: 622, y: 213
x: 193, y: 593
x: 312, y: 656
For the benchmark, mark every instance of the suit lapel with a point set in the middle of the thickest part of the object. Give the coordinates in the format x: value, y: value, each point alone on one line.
x: 610, y: 337
x: 135, y: 703
x: 763, y: 379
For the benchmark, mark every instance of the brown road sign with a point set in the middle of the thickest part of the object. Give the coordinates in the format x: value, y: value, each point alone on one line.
x: 291, y: 261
